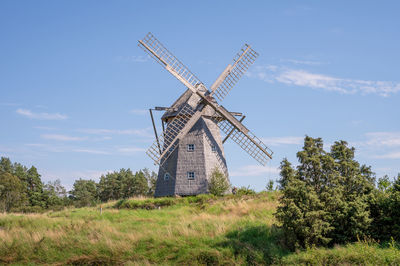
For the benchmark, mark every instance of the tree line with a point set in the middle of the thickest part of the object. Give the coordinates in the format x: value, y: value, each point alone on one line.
x: 22, y: 189
x: 329, y: 198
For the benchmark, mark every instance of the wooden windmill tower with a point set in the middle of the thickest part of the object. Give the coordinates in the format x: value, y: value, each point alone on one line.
x: 191, y: 146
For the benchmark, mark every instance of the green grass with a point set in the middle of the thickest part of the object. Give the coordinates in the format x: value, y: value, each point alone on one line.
x: 201, y: 230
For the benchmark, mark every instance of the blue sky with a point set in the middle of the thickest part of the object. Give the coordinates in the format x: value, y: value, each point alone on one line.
x: 75, y: 87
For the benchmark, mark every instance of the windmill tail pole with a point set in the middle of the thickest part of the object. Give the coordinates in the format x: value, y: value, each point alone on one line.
x: 155, y: 130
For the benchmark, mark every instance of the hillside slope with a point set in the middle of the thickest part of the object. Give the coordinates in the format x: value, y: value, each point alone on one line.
x: 190, y: 231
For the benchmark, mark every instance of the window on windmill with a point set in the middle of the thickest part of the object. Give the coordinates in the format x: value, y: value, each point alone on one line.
x: 190, y: 147
x: 166, y: 176
x: 191, y: 175
x: 213, y: 148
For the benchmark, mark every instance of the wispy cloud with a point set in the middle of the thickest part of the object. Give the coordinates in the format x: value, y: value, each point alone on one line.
x: 254, y: 170
x: 383, y: 139
x: 390, y: 155
x: 139, y: 111
x: 102, y: 131
x: 379, y: 145
x: 130, y: 150
x: 60, y: 137
x: 91, y: 151
x: 41, y: 116
x: 301, y: 62
x: 275, y: 141
x: 304, y: 78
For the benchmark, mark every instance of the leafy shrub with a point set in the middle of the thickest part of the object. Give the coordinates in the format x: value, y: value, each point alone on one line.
x: 218, y: 184
x: 245, y: 191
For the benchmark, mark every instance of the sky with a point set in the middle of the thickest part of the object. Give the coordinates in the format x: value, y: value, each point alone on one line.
x: 75, y: 88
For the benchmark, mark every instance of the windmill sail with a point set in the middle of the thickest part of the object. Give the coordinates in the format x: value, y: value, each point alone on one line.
x: 187, y: 116
x: 241, y: 63
x: 156, y: 49
x: 247, y: 141
x: 176, y: 129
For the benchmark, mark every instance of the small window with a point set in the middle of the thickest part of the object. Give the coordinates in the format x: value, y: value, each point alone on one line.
x: 190, y: 175
x: 213, y: 148
x: 190, y: 147
x: 166, y: 176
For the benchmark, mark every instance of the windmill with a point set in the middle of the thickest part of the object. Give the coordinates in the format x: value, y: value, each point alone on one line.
x: 191, y: 145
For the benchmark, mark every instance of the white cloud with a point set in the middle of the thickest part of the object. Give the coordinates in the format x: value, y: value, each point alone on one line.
x: 102, y: 131
x: 304, y: 78
x: 41, y: 116
x: 139, y: 111
x: 389, y: 139
x: 91, y: 151
x: 390, y: 155
x: 275, y: 141
x: 301, y: 62
x: 254, y: 170
x: 62, y: 137
x: 130, y: 150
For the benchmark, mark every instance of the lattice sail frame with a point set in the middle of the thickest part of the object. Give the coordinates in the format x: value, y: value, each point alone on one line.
x: 242, y: 61
x: 167, y: 58
x: 244, y: 142
x: 186, y: 117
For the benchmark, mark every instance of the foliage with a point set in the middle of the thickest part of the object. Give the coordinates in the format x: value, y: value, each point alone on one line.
x: 84, y: 193
x: 151, y: 178
x: 245, y: 191
x: 227, y: 230
x: 22, y: 190
x: 270, y: 185
x: 124, y: 184
x: 11, y: 192
x: 385, y: 210
x: 218, y: 184
x: 56, y: 194
x: 325, y: 200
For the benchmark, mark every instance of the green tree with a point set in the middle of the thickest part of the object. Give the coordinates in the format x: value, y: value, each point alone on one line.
x: 304, y: 220
x: 11, y: 192
x: 110, y: 186
x: 385, y: 210
x: 325, y: 200
x: 84, y: 193
x: 35, y: 188
x: 384, y: 183
x: 354, y: 185
x: 56, y: 194
x: 139, y: 184
x: 270, y: 185
x: 151, y: 180
x: 5, y: 165
x: 218, y: 184
x: 286, y: 173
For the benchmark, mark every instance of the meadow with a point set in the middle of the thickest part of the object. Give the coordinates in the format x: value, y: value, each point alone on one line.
x: 202, y: 230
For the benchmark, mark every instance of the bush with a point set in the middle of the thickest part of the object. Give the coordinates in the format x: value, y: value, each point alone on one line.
x: 325, y: 200
x: 245, y: 191
x: 218, y: 184
x: 385, y: 210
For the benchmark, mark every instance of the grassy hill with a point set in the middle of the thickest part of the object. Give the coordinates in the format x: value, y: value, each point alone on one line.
x: 199, y: 230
